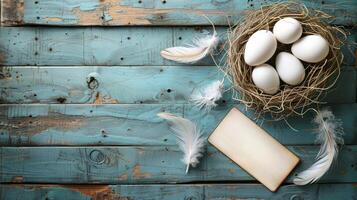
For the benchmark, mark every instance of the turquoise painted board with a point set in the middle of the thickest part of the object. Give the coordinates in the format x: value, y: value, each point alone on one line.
x: 156, y: 12
x: 144, y: 164
x: 182, y: 191
x: 134, y: 84
x: 106, y: 46
x: 48, y: 125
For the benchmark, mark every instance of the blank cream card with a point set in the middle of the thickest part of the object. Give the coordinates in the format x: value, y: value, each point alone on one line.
x: 253, y: 149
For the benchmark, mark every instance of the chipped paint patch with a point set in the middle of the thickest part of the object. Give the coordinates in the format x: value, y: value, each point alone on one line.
x: 18, y: 179
x: 129, y: 15
x: 123, y: 177
x: 33, y: 125
x: 95, y: 192
x: 54, y: 19
x: 12, y: 12
x: 138, y: 174
x: 100, y: 99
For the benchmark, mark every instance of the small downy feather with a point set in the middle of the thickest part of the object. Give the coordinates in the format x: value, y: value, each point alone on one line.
x: 190, y: 53
x: 329, y: 135
x: 207, y: 97
x: 189, y: 138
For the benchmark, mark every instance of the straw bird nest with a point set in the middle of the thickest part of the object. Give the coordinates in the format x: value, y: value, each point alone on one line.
x: 289, y: 100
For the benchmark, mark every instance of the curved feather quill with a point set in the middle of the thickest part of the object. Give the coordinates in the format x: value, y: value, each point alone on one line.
x: 192, y: 52
x: 208, y: 96
x: 190, y: 139
x: 329, y: 135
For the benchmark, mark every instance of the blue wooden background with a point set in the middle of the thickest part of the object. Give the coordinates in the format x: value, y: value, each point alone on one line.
x: 81, y: 82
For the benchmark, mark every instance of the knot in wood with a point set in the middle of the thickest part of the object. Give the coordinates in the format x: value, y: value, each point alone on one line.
x: 92, y: 83
x: 97, y: 156
x: 296, y: 197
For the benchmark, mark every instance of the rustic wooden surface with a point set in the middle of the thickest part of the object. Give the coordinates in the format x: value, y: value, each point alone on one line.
x: 78, y: 103
x: 182, y: 191
x: 153, y: 12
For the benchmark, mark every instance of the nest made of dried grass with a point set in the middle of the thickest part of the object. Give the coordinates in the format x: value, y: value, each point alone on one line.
x: 319, y: 77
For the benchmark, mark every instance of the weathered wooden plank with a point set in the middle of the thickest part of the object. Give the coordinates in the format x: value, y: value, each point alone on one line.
x: 292, y: 192
x: 133, y: 12
x: 134, y: 84
x: 182, y: 191
x: 23, y: 125
x: 155, y: 164
x: 105, y: 46
x: 157, y: 84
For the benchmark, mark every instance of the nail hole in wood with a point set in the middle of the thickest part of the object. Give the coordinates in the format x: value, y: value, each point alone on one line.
x: 36, y: 38
x: 61, y: 100
x: 36, y: 2
x: 139, y: 1
x: 128, y: 38
x: 163, y: 1
x: 169, y: 90
x: 37, y: 17
x: 180, y: 38
x: 50, y: 49
x: 121, y: 58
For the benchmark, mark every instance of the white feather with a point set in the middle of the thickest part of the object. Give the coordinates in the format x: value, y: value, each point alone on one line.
x: 329, y: 135
x: 208, y: 96
x: 190, y: 139
x: 192, y: 52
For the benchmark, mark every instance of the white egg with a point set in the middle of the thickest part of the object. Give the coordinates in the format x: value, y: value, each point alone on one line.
x: 311, y: 48
x: 266, y: 78
x: 260, y: 48
x: 290, y: 69
x: 287, y: 30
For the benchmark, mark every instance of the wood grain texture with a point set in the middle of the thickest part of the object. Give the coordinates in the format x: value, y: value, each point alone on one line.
x: 109, y: 46
x: 144, y: 164
x: 155, y: 12
x: 177, y: 192
x: 127, y: 85
x: 45, y: 125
